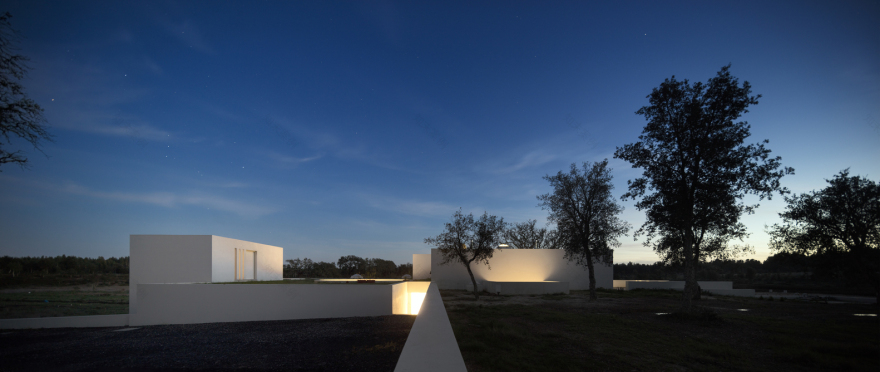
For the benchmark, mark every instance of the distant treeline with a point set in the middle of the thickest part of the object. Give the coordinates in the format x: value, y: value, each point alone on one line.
x: 63, y: 265
x: 370, y: 268
x: 816, y: 267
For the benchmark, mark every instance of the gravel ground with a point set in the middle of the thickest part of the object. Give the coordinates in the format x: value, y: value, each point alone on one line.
x: 338, y: 344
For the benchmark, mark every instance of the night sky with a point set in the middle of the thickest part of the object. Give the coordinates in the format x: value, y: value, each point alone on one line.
x: 336, y: 128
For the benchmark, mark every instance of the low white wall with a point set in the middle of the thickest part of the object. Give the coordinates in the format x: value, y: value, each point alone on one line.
x: 209, y: 303
x: 431, y: 344
x: 520, y: 265
x: 622, y: 283
x: 421, y: 266
x: 167, y: 259
x: 116, y: 320
x: 733, y: 292
x: 525, y: 288
x: 677, y: 285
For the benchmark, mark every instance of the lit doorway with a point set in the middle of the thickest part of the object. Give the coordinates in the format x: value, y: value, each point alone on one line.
x: 245, y: 264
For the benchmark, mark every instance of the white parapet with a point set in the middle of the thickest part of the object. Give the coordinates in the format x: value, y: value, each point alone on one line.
x: 198, y: 259
x: 521, y: 288
x: 115, y: 320
x: 431, y: 344
x: 732, y: 292
x: 210, y: 303
x: 677, y: 285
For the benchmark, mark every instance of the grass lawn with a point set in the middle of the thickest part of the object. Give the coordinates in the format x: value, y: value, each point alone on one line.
x: 622, y: 332
x: 36, y: 304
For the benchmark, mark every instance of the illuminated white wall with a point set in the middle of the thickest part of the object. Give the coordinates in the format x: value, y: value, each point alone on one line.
x: 421, y: 266
x: 520, y: 265
x: 193, y: 259
x: 402, y: 296
x: 210, y: 303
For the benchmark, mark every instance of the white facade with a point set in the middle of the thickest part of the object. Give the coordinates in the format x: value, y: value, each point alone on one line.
x: 421, y: 266
x: 519, y: 265
x: 199, y: 259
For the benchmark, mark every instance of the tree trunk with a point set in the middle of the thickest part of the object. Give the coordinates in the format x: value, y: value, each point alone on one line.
x: 474, y: 281
x: 592, y: 278
x: 690, y: 273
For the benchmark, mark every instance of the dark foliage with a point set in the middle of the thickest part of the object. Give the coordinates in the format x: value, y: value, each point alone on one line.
x: 466, y: 241
x: 20, y: 116
x: 63, y: 265
x: 370, y: 268
x: 696, y: 169
x: 840, y: 223
x: 585, y: 214
x: 525, y: 235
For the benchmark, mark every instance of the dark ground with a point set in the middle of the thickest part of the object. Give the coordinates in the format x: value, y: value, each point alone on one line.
x: 339, y: 344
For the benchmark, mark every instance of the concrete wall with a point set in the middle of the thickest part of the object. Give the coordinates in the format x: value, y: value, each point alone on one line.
x: 116, y: 320
x: 210, y: 303
x: 194, y: 259
x: 167, y: 259
x: 270, y: 259
x: 401, y: 295
x: 421, y: 266
x: 520, y: 265
x: 431, y: 344
x: 622, y: 283
x: 733, y: 292
x: 677, y: 285
x: 522, y: 288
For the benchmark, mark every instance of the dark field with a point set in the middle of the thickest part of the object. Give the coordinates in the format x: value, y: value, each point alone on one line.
x: 622, y: 332
x: 341, y: 344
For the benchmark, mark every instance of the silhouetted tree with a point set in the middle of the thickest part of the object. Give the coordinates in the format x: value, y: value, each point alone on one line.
x: 525, y: 235
x: 466, y: 240
x: 840, y: 221
x: 20, y: 116
x: 696, y: 169
x: 350, y: 265
x: 585, y: 214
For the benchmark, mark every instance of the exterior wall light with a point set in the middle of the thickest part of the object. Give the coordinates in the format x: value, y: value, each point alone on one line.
x: 415, y: 302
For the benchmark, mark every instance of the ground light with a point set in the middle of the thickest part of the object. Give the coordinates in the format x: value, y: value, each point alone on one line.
x: 415, y: 302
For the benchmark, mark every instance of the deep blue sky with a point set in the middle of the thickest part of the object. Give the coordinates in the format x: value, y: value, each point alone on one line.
x: 342, y: 128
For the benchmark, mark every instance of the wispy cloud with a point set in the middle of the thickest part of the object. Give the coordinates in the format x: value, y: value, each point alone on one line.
x: 290, y: 160
x: 411, y: 207
x: 173, y: 200
x: 532, y: 159
x: 159, y: 198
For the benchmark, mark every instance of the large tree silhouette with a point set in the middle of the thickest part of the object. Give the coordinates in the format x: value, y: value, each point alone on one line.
x: 841, y: 221
x: 696, y: 170
x: 20, y: 116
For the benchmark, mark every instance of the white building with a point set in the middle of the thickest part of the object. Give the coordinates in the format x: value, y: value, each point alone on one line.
x: 199, y: 259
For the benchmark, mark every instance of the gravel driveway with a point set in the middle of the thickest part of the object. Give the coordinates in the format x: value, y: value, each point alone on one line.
x: 337, y: 344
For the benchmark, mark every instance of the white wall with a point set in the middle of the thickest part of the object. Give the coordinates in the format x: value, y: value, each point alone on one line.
x: 421, y: 266
x: 431, y: 344
x: 270, y: 259
x: 194, y: 259
x: 520, y: 265
x: 677, y: 285
x: 167, y: 259
x: 209, y: 303
x: 115, y: 320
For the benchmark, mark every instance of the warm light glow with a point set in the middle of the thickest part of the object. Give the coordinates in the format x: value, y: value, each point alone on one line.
x: 503, y: 245
x: 415, y: 302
